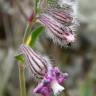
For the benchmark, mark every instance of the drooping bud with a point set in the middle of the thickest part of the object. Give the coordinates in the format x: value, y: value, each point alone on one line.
x: 59, y: 33
x: 35, y: 62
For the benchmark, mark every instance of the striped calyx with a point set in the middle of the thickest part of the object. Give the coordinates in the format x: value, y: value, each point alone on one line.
x: 61, y: 21
x: 34, y: 62
x: 58, y: 32
x: 61, y: 15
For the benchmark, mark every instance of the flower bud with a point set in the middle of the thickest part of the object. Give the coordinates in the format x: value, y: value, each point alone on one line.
x: 35, y: 62
x: 59, y: 33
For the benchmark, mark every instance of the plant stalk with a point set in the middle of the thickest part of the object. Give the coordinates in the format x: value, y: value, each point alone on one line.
x: 22, y: 79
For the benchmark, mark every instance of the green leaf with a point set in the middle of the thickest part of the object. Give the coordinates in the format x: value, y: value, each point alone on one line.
x: 35, y: 34
x: 20, y: 57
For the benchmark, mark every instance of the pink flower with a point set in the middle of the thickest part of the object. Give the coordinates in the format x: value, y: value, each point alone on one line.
x: 60, y: 76
x: 51, y: 77
x: 44, y: 87
x: 51, y: 83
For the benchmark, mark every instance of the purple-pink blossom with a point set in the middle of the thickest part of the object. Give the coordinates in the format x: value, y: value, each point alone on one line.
x: 51, y: 83
x: 51, y: 77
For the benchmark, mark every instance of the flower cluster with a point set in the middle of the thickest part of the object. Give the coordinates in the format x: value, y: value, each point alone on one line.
x: 60, y: 23
x: 50, y: 77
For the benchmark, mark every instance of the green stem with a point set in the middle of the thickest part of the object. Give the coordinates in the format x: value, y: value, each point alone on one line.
x: 22, y: 79
x: 26, y: 30
x: 36, y: 5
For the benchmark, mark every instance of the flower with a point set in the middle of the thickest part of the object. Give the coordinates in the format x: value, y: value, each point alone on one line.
x: 58, y: 32
x: 43, y: 87
x: 51, y: 77
x: 59, y: 75
x: 60, y: 22
x: 51, y: 82
x: 34, y: 62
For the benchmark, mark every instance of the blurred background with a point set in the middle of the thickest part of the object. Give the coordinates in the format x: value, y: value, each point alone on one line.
x: 79, y: 60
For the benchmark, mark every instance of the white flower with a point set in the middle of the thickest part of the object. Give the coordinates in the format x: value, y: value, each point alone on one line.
x: 56, y: 87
